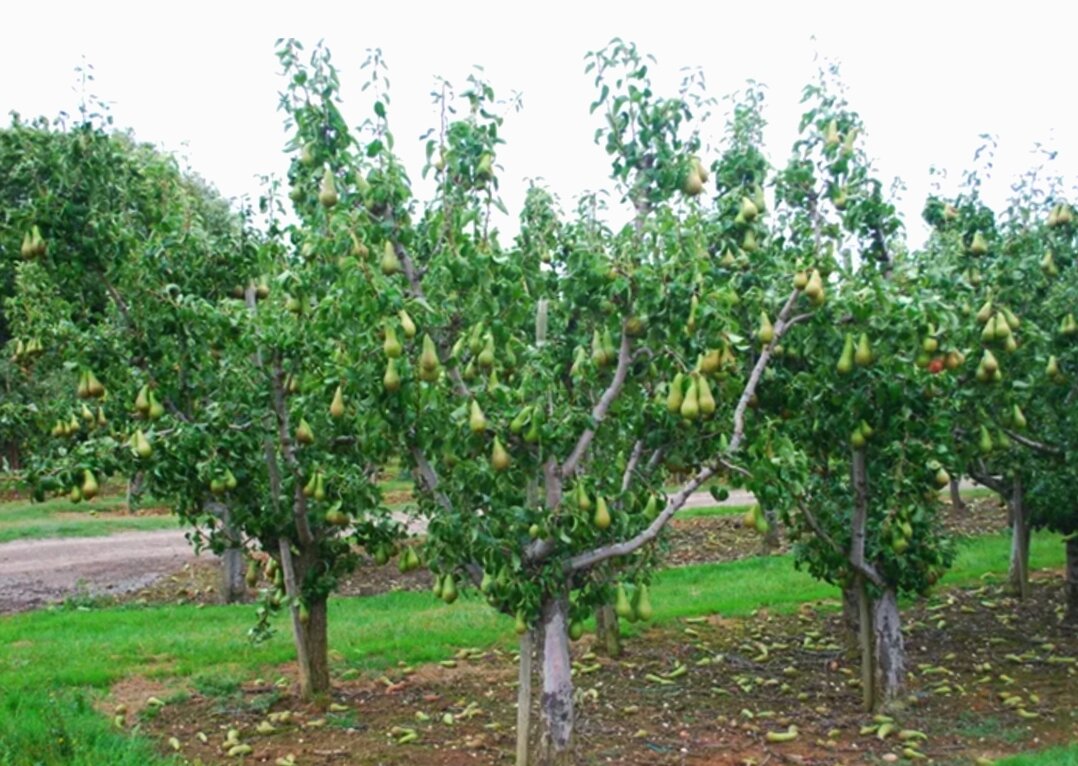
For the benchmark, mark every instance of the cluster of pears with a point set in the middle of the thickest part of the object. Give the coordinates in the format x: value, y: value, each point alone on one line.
x: 636, y: 607
x: 89, y: 386
x: 861, y: 435
x: 603, y: 352
x: 755, y: 518
x: 927, y: 358
x: 27, y: 349
x: 986, y: 445
x: 315, y: 487
x: 33, y: 244
x: 940, y: 476
x: 897, y: 531
x: 812, y: 284
x: 861, y: 355
x: 223, y: 481
x: 327, y: 194
x: 87, y: 490
x: 71, y: 425
x: 833, y: 138
x: 690, y: 396
x: 393, y: 349
x: 147, y: 404
x: 531, y: 418
x: 999, y: 326
x: 601, y: 518
x: 445, y: 587
x: 260, y: 286
x: 717, y: 361
x: 408, y: 560
x: 696, y: 175
x: 1060, y: 215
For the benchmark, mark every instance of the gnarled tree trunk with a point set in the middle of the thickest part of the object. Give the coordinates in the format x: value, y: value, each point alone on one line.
x: 1018, y: 576
x: 1071, y: 585
x: 556, y: 704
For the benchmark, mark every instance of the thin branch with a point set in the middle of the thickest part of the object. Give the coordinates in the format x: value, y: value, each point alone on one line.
x: 630, y: 466
x: 821, y: 533
x: 429, y: 477
x: 985, y: 479
x: 1036, y: 446
x: 598, y: 414
x: 734, y: 467
x: 284, y: 435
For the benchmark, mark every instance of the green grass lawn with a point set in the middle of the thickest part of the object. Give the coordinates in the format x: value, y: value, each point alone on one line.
x: 26, y: 520
x: 1056, y: 756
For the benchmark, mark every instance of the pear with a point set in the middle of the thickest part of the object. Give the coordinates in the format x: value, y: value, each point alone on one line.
x: 1003, y: 327
x: 831, y: 136
x: 988, y: 334
x: 979, y: 245
x: 89, y: 486
x: 814, y: 288
x: 930, y: 345
x: 102, y: 421
x: 845, y: 360
x: 499, y: 458
x: 863, y: 355
x: 327, y: 195
x: 83, y: 389
x: 319, y: 493
x: 27, y: 250
x: 989, y: 363
x: 1010, y: 345
x: 517, y: 424
x: 763, y: 526
x: 87, y: 414
x: 598, y: 351
x: 583, y: 502
x: 75, y: 496
x: 847, y: 144
x: 485, y: 359
x: 1048, y: 265
x: 1053, y: 371
x: 477, y: 421
x: 690, y: 323
x: 1069, y: 326
x: 336, y: 407
x: 449, y: 589
x: 710, y: 362
x: 217, y: 486
x: 692, y: 184
x: 942, y: 477
x: 986, y: 312
x: 390, y: 263
x: 576, y: 630
x: 728, y: 261
x: 142, y: 401
x: 392, y: 379
x: 766, y: 332
x: 642, y: 603
x: 748, y: 211
x: 704, y: 397
x: 407, y: 324
x: 141, y: 445
x: 675, y: 398
x: 392, y: 346
x: 857, y: 439
x: 230, y: 480
x: 359, y: 249
x: 801, y: 280
x: 1013, y: 322
x: 748, y: 519
x: 651, y: 508
x: 690, y: 405
x: 304, y: 434
x: 954, y: 360
x: 984, y: 444
x: 156, y: 408
x: 428, y: 358
x: 748, y: 242
x: 520, y: 624
x: 622, y: 607
x: 1063, y: 217
x: 1018, y: 418
x: 602, y: 518
x: 485, y: 169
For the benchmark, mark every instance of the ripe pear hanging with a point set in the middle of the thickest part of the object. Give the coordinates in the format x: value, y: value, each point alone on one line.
x: 407, y: 324
x: 863, y: 355
x: 690, y: 406
x: 477, y: 421
x: 392, y: 379
x: 499, y: 458
x: 392, y: 346
x: 979, y: 245
x: 304, y: 433
x: 675, y: 398
x: 390, y: 263
x: 327, y: 195
x: 845, y: 360
x: 766, y: 331
x: 89, y: 487
x: 704, y: 397
x: 602, y: 519
x: 336, y: 407
x: 622, y: 607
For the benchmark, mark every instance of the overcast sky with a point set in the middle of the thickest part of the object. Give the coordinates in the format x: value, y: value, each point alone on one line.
x: 201, y: 78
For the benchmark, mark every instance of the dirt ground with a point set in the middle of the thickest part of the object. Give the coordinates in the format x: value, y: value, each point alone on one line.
x: 706, y: 690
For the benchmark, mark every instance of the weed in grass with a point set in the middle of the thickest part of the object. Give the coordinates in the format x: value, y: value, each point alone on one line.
x: 987, y: 727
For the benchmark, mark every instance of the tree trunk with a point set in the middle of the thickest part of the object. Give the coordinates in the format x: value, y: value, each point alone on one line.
x: 772, y: 540
x: 233, y: 587
x: 956, y: 496
x: 556, y: 704
x: 312, y: 649
x: 850, y: 614
x: 308, y: 630
x: 1019, y: 570
x: 867, y: 641
x: 524, y: 697
x: 890, y: 650
x: 134, y: 489
x: 1071, y: 584
x: 607, y: 631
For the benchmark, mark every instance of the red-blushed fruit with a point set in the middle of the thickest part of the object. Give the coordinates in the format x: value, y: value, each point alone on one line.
x: 936, y: 365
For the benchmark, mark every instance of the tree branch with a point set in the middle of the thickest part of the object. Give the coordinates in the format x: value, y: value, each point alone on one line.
x: 429, y: 477
x: 982, y: 477
x: 634, y: 459
x: 284, y: 435
x: 600, y: 410
x: 1036, y: 446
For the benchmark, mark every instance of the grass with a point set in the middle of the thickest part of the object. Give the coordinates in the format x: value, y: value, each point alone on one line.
x: 41, y: 728
x: 25, y: 520
x: 1056, y: 756
x: 52, y: 656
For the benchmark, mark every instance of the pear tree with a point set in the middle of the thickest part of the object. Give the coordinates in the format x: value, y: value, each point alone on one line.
x: 865, y: 390
x: 252, y: 412
x: 545, y: 390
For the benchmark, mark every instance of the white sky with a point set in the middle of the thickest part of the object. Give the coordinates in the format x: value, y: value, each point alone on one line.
x: 201, y: 78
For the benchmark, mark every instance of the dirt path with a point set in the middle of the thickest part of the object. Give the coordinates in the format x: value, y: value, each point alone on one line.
x: 38, y: 572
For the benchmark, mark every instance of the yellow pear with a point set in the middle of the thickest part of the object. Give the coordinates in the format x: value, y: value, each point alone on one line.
x: 336, y: 407
x: 327, y: 195
x: 499, y: 458
x: 390, y: 263
x: 602, y: 518
x: 477, y: 421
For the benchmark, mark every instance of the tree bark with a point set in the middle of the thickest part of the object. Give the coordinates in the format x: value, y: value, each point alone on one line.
x: 233, y: 584
x: 556, y: 704
x: 772, y: 540
x: 956, y: 496
x: 1071, y: 584
x: 524, y: 697
x: 1019, y: 569
x: 312, y: 649
x: 607, y: 631
x: 851, y: 620
x: 890, y: 649
x: 867, y: 641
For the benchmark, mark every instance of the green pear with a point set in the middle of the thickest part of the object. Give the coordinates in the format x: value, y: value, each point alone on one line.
x: 390, y: 263
x: 675, y: 398
x: 845, y: 360
x: 979, y: 245
x: 863, y: 355
x: 690, y: 406
x: 602, y: 519
x: 765, y: 333
x: 304, y: 434
x: 477, y: 421
x: 622, y: 607
x: 499, y: 457
x: 327, y: 195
